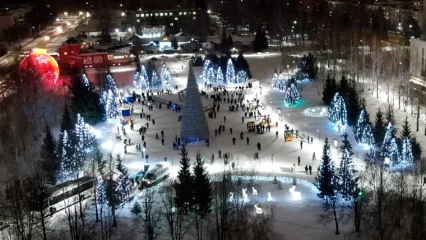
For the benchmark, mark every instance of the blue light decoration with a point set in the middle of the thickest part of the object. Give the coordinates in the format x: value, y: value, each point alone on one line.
x: 219, y: 76
x: 110, y: 104
x: 242, y: 77
x: 230, y: 72
x: 140, y: 80
x: 291, y: 95
x: 166, y: 77
x: 389, y: 149
x: 367, y: 139
x: 205, y: 70
x: 301, y: 76
x: 156, y: 81
x: 407, y: 158
x: 337, y: 113
x: 211, y: 76
x: 110, y: 85
x: 85, y: 80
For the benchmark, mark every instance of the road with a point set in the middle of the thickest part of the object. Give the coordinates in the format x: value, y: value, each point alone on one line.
x: 50, y: 38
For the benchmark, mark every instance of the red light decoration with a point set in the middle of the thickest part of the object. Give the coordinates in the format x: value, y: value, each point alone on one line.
x: 39, y: 67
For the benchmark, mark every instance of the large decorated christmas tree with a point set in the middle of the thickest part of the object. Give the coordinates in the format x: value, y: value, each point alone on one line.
x: 389, y: 148
x: 230, y: 72
x: 278, y: 81
x: 156, y: 82
x: 337, y: 112
x: 242, y: 77
x: 291, y: 95
x: 140, y: 81
x: 204, y: 72
x: 166, y: 77
x: 219, y: 77
x: 194, y: 123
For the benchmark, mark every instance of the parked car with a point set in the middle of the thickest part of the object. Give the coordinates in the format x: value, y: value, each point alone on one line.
x: 155, y: 174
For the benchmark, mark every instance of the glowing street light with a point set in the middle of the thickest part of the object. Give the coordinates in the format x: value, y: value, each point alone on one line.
x: 80, y: 13
x: 46, y: 38
x: 129, y: 30
x: 65, y: 13
x: 87, y: 14
x: 59, y: 30
x: 123, y: 14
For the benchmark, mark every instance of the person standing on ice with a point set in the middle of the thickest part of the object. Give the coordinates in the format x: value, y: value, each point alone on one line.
x: 310, y: 170
x: 313, y: 156
x: 242, y: 119
x: 157, y: 137
x: 241, y: 135
x: 248, y: 141
x: 162, y: 141
x: 306, y: 169
x: 259, y: 147
x: 276, y: 134
x: 301, y: 144
x: 233, y: 140
x: 298, y: 160
x: 162, y: 133
x: 224, y: 119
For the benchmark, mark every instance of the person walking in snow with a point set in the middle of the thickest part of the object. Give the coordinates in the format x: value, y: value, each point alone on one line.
x: 162, y: 141
x: 153, y: 121
x: 230, y: 130
x: 248, y: 141
x: 310, y: 170
x: 157, y: 137
x: 276, y: 134
x: 220, y: 154
x: 306, y: 169
x: 215, y: 132
x: 242, y: 119
x: 241, y: 135
x: 313, y: 156
x: 233, y: 140
x: 224, y: 119
x: 258, y: 146
x: 162, y: 133
x: 298, y: 160
x: 301, y: 144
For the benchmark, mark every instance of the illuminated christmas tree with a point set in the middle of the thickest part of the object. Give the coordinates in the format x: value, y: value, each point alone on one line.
x: 337, y: 112
x: 389, y: 147
x: 166, y: 77
x: 242, y: 77
x: 156, y: 82
x: 123, y: 182
x: 85, y: 137
x: 219, y: 76
x: 230, y: 72
x: 194, y: 123
x: 110, y: 103
x: 274, y: 80
x: 211, y: 76
x: 140, y: 80
x: 360, y: 125
x: 111, y: 85
x: 291, y: 95
x: 85, y: 80
x: 68, y: 160
x: 205, y: 70
x: 346, y: 170
x: 137, y: 80
x: 406, y: 153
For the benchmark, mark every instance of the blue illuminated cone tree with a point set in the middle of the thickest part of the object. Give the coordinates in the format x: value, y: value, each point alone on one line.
x: 219, y: 76
x: 194, y: 122
x: 166, y: 77
x: 230, y: 72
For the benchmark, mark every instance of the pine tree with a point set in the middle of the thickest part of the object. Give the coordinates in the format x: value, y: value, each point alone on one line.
x: 87, y: 102
x: 166, y: 77
x: 406, y: 131
x: 326, y: 179
x: 184, y: 187
x: 406, y: 152
x: 156, y: 82
x: 219, y: 76
x: 211, y: 76
x: 260, y: 41
x: 337, y: 112
x: 202, y: 188
x: 205, y: 70
x: 67, y: 123
x: 274, y: 80
x: 379, y: 130
x: 144, y: 79
x: 390, y: 118
x: 50, y: 161
x: 329, y: 90
x: 343, y: 87
x: 123, y: 182
x: 69, y: 162
x: 354, y: 104
x: 346, y: 171
x: 291, y: 95
x: 417, y: 149
x: 136, y: 209
x: 111, y: 106
x: 84, y: 135
x: 242, y: 64
x: 230, y: 72
x: 389, y: 147
x: 360, y: 125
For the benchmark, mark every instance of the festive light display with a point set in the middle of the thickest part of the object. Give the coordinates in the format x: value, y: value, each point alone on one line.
x: 84, y: 134
x: 211, y: 76
x: 166, y: 77
x: 230, y: 72
x: 123, y: 187
x: 326, y: 180
x: 406, y: 153
x: 85, y: 80
x: 156, y: 82
x: 278, y: 81
x: 363, y: 131
x: 242, y: 77
x: 301, y: 76
x: 39, y: 67
x: 337, y: 112
x: 110, y: 104
x: 111, y: 85
x: 291, y: 95
x: 219, y: 76
x: 67, y: 156
x: 346, y: 170
x: 389, y: 147
x: 204, y: 71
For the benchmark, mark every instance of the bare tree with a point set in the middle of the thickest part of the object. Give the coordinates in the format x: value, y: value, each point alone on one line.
x: 151, y: 214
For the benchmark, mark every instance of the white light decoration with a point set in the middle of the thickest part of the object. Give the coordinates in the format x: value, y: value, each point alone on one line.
x: 259, y: 210
x: 254, y: 191
x: 231, y: 197
x: 316, y: 112
x: 269, y: 197
x: 296, y: 195
x: 107, y: 145
x: 245, y: 197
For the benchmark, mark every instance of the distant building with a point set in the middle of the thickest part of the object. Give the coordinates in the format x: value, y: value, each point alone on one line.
x: 10, y: 18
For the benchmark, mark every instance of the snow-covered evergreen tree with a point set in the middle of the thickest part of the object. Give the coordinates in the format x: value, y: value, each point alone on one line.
x: 166, y: 77
x: 389, y: 147
x: 69, y: 162
x: 205, y: 70
x: 111, y: 106
x: 230, y: 72
x: 85, y: 80
x: 274, y: 80
x: 242, y: 77
x: 291, y: 95
x: 85, y: 137
x: 123, y: 182
x: 202, y: 188
x: 360, y: 125
x: 219, y: 76
x: 347, y: 183
x: 211, y: 76
x: 326, y: 181
x: 111, y: 85
x: 156, y: 82
x: 137, y: 80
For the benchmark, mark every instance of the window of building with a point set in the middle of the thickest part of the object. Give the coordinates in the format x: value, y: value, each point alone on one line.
x: 170, y: 14
x: 194, y: 13
x: 194, y: 18
x: 171, y: 24
x: 137, y: 20
x: 184, y: 13
x: 150, y: 15
x: 156, y: 14
x: 142, y: 15
x: 176, y: 19
x: 180, y: 13
x: 137, y: 15
x: 161, y: 14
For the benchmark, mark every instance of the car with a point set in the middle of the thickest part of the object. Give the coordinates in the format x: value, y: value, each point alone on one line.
x: 137, y: 175
x: 155, y: 174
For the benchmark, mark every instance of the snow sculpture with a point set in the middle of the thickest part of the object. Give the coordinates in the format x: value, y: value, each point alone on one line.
x: 269, y: 197
x: 296, y: 195
x: 231, y: 198
x: 254, y: 191
x: 245, y: 197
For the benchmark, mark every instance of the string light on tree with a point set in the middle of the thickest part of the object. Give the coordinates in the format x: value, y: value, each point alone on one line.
x: 337, y: 112
x: 166, y: 76
x: 278, y: 81
x: 205, y: 70
x: 110, y: 103
x: 85, y: 80
x: 242, y: 77
x: 389, y: 147
x: 211, y: 76
x: 291, y: 95
x: 230, y: 72
x: 407, y: 158
x: 219, y: 76
x: 156, y: 82
x: 111, y: 85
